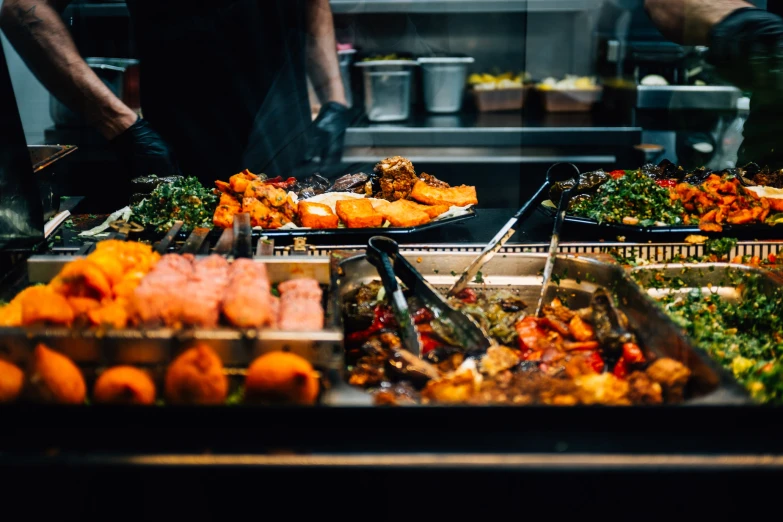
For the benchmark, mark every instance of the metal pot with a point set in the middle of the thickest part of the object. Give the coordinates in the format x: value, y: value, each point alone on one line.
x: 121, y: 75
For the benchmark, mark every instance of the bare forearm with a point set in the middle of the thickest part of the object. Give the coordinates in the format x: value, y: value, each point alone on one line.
x: 322, y: 65
x: 690, y: 21
x: 39, y: 35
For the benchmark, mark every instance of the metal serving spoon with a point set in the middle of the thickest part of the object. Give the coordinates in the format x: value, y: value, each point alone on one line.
x: 557, y: 173
x: 384, y: 254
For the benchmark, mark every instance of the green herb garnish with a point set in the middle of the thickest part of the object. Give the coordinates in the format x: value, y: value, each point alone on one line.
x: 184, y: 199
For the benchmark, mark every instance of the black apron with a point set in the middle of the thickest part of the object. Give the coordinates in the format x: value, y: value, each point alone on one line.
x: 224, y: 82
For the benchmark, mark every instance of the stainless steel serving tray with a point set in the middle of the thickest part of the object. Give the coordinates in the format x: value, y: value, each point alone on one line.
x: 137, y: 346
x: 579, y: 277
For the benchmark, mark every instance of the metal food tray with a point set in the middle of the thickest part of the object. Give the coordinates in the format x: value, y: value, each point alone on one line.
x: 579, y: 277
x: 591, y: 229
x: 722, y: 279
x: 150, y: 347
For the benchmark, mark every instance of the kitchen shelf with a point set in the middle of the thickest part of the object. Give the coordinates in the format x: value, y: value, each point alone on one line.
x: 117, y: 9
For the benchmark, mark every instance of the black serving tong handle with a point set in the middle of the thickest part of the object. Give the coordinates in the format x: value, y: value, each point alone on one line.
x: 162, y: 246
x: 467, y: 332
x: 382, y: 253
x: 243, y: 236
x: 194, y: 241
x: 558, y: 172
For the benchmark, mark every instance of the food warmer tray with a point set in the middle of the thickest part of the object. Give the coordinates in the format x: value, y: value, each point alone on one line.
x: 578, y: 277
x: 154, y: 347
x: 577, y: 226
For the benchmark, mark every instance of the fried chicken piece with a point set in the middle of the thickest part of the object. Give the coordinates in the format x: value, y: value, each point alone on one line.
x: 281, y: 377
x: 602, y: 388
x: 432, y: 181
x: 643, y: 390
x: 239, y: 182
x: 358, y: 213
x: 55, y: 378
x: 456, y: 196
x: 259, y: 213
x: 400, y: 214
x: 42, y: 305
x: 316, y: 215
x: 82, y: 305
x: 671, y: 375
x: 124, y: 385
x: 114, y: 314
x: 498, y: 359
x: 11, y: 381
x: 397, y: 177
x: 196, y: 377
x: 224, y: 216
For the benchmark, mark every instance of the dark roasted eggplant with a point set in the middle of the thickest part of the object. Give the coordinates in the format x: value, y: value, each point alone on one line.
x: 311, y: 186
x: 586, y: 182
x: 350, y: 183
x: 404, y: 366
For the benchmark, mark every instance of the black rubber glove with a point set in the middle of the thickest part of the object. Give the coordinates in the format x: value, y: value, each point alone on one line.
x: 328, y: 133
x: 145, y: 151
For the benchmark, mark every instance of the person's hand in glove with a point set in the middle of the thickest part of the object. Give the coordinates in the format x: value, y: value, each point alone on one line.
x: 145, y: 151
x: 328, y: 133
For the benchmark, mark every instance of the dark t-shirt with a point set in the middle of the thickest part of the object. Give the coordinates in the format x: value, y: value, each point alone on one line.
x: 224, y: 82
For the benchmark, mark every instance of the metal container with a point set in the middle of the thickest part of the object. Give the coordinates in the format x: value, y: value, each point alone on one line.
x: 443, y: 81
x: 121, y: 75
x: 345, y: 58
x: 579, y: 277
x: 157, y: 346
x: 387, y: 89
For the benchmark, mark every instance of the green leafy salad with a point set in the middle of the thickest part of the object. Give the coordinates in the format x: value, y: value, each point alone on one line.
x: 633, y: 199
x: 184, y: 199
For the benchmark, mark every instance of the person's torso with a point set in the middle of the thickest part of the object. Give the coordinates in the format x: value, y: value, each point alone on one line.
x: 224, y: 81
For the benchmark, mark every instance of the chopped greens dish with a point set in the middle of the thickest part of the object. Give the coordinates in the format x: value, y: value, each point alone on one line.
x: 184, y: 199
x: 746, y: 337
x: 633, y: 199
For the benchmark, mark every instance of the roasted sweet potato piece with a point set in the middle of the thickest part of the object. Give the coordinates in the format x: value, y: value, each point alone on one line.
x: 459, y: 196
x: 358, y: 213
x: 316, y: 215
x: 400, y: 214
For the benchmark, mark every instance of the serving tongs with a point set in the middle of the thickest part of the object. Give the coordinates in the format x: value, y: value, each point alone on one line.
x: 557, y: 173
x: 384, y: 254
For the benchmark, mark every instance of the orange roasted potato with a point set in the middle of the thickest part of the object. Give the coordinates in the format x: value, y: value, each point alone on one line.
x: 316, y: 215
x: 11, y: 381
x: 41, y: 305
x: 196, y: 377
x: 281, y: 377
x: 432, y: 211
x: 124, y: 385
x: 55, y: 378
x: 358, y: 213
x: 259, y: 213
x: 400, y: 214
x: 239, y: 182
x: 458, y: 196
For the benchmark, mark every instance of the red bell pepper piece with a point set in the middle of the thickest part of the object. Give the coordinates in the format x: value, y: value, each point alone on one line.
x: 468, y: 296
x: 596, y: 362
x: 632, y: 353
x: 616, y: 174
x: 382, y: 318
x: 422, y: 315
x: 620, y: 369
x: 666, y: 183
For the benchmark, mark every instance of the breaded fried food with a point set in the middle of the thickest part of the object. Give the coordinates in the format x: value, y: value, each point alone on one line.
x: 432, y: 211
x: 11, y: 381
x: 457, y: 196
x: 358, y: 213
x: 401, y: 214
x: 396, y: 178
x: 83, y: 278
x: 124, y: 385
x: 281, y: 377
x: 196, y: 377
x: 378, y: 204
x: 316, y: 215
x: 42, y: 305
x: 259, y: 213
x: 55, y: 378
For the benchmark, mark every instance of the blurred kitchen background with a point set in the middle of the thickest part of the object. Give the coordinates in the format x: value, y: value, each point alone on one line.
x: 685, y: 114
